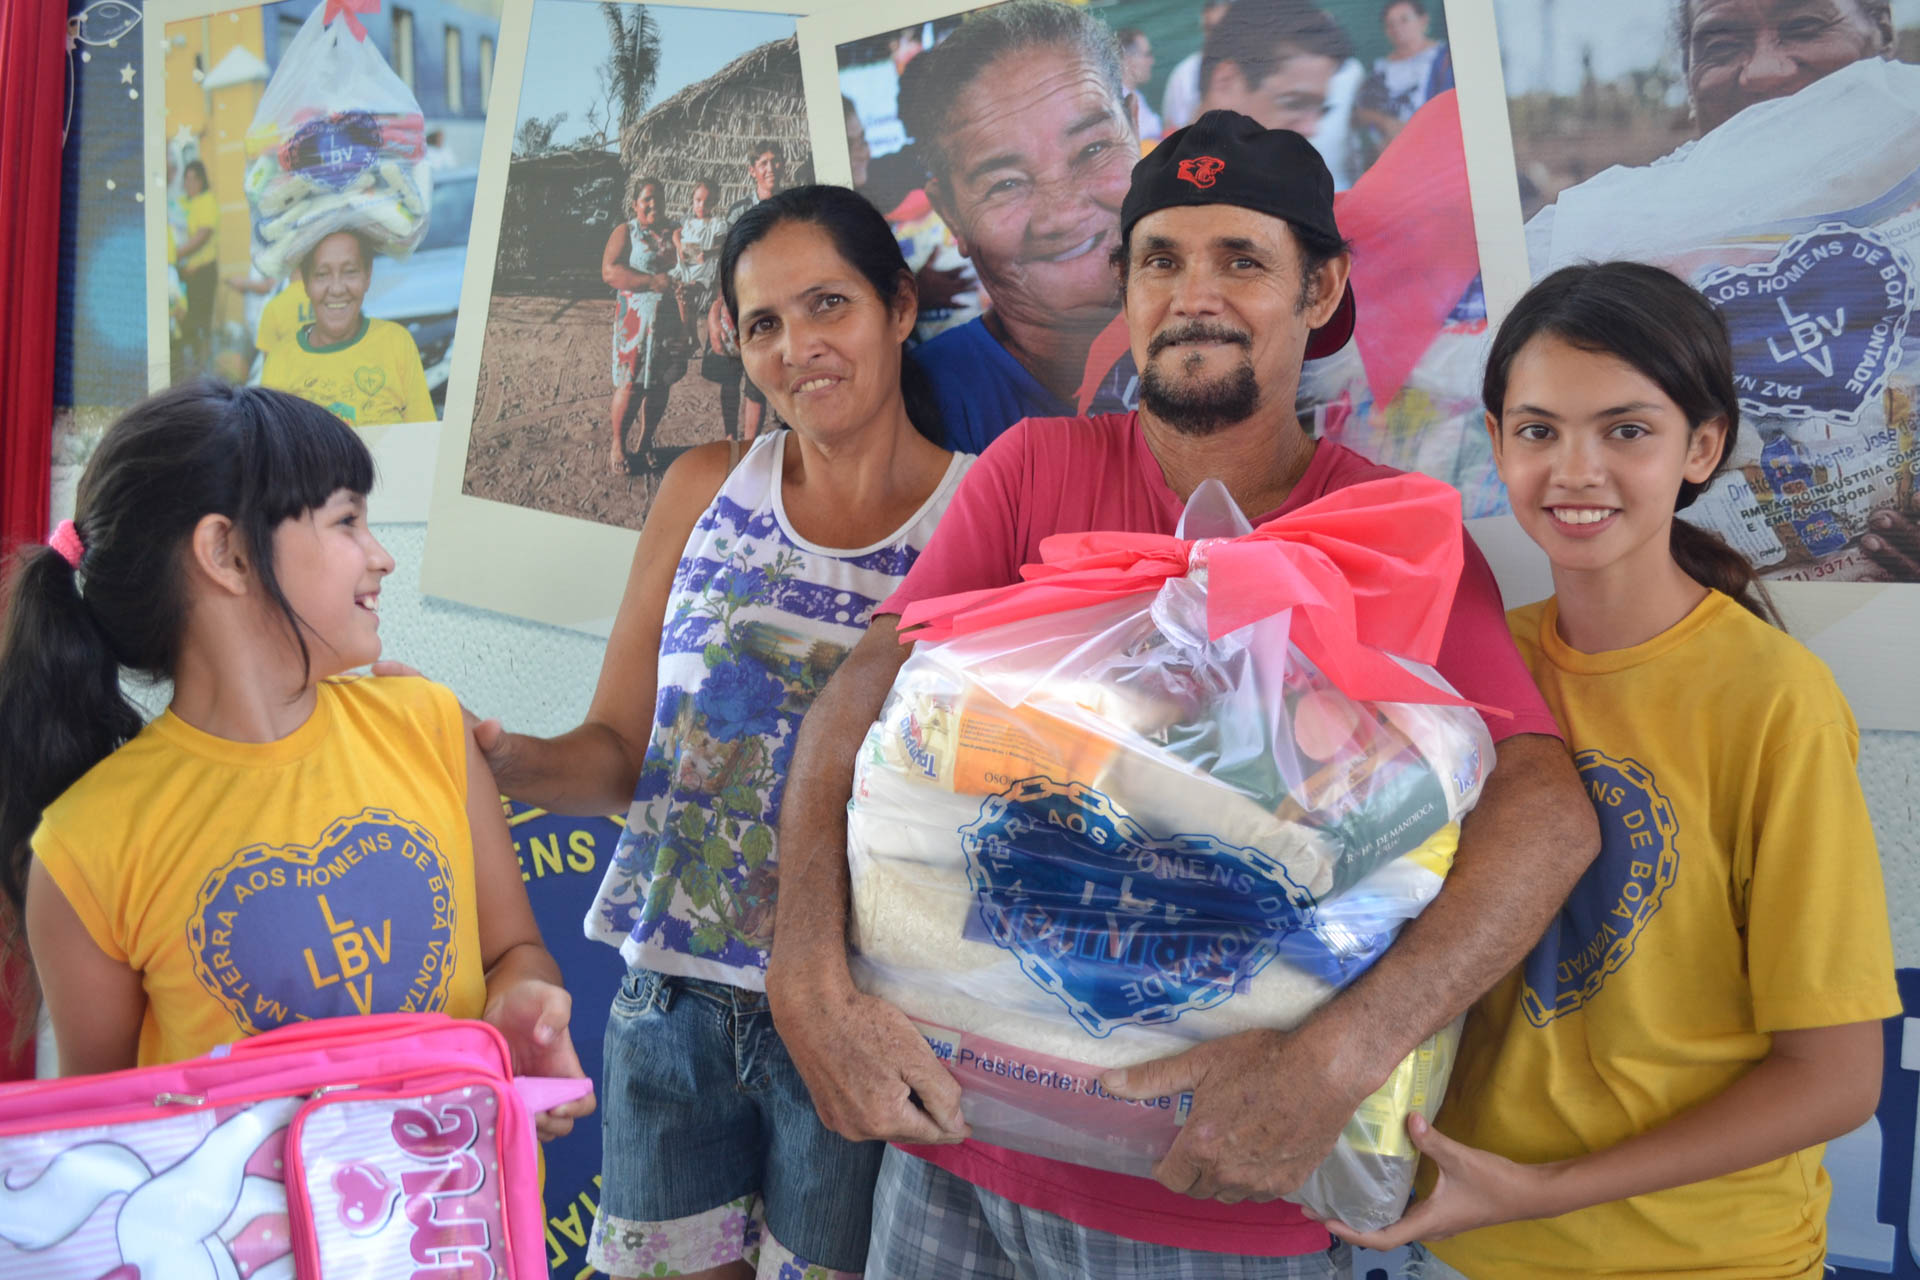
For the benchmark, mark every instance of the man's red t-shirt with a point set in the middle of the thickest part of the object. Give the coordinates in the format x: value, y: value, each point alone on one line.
x: 1071, y: 475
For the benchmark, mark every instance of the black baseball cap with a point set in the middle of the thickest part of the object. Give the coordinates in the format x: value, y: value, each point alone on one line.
x: 1227, y: 158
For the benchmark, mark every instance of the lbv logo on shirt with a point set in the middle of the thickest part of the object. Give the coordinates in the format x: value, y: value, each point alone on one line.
x: 1594, y: 933
x: 360, y: 921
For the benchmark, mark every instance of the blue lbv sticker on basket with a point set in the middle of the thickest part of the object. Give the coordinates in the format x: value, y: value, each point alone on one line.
x: 1817, y: 330
x: 1123, y: 926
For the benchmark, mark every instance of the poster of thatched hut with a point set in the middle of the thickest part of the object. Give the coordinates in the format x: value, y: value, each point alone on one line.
x: 640, y: 132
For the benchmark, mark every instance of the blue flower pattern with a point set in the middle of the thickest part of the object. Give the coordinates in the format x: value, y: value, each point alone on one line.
x: 755, y: 627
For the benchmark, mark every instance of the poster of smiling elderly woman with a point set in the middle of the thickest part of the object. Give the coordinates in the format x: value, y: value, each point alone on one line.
x: 1768, y: 151
x: 1000, y: 141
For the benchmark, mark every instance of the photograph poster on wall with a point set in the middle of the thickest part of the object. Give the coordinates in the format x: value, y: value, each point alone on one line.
x: 300, y: 149
x: 605, y: 354
x: 594, y: 349
x: 312, y: 169
x: 1770, y: 155
x: 1010, y: 231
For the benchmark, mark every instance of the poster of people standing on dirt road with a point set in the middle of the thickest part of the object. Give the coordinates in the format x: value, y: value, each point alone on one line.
x: 594, y: 351
x: 605, y: 354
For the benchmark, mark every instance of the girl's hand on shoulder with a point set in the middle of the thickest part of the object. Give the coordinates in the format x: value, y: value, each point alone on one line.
x: 533, y: 1016
x: 1475, y: 1188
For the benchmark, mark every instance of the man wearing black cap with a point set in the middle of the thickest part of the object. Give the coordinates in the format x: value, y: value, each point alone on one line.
x: 1233, y: 270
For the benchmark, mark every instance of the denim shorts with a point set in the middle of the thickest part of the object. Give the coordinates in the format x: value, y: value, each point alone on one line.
x: 703, y: 1107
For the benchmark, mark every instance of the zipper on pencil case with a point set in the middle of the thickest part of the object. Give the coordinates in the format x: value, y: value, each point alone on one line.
x: 189, y: 1103
x: 370, y: 1029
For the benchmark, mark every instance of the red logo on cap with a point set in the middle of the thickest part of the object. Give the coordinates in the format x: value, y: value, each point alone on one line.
x: 1201, y: 170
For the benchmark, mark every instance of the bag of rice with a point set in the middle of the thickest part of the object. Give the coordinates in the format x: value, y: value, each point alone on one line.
x: 1160, y: 792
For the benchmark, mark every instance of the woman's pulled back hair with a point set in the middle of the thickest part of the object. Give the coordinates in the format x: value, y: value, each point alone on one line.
x: 257, y: 457
x: 861, y: 236
x: 1667, y: 331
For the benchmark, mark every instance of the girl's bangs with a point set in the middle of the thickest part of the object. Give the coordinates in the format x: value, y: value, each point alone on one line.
x: 306, y: 455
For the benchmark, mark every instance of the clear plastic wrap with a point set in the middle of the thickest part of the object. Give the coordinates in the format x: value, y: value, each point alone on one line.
x: 337, y: 144
x: 1092, y: 838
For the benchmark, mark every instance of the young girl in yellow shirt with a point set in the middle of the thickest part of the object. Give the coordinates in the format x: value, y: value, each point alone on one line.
x: 1649, y: 1092
x: 282, y: 843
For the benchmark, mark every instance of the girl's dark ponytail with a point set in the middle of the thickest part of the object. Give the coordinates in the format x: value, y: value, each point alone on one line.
x: 61, y: 713
x: 61, y: 707
x: 1709, y: 561
x: 1705, y: 555
x: 1665, y: 328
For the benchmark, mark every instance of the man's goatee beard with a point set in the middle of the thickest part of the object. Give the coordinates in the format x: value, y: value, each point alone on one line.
x: 1198, y: 410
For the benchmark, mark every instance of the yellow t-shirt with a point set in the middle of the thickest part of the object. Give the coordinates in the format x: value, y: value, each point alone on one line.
x: 1737, y: 893
x: 257, y: 884
x: 203, y: 214
x: 373, y: 379
x: 285, y: 315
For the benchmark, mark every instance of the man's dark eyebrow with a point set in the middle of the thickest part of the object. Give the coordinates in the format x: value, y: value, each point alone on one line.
x: 1239, y: 244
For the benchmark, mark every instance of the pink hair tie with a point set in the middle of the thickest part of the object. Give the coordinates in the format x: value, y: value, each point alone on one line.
x: 66, y: 540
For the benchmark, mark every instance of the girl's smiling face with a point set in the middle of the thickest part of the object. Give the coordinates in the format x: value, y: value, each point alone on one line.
x: 330, y: 567
x: 1593, y: 454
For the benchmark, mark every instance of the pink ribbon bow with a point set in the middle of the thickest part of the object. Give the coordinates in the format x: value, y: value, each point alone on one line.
x: 1370, y: 570
x: 351, y: 11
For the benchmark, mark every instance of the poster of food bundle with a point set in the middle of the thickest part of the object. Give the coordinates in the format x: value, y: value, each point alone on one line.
x: 311, y: 167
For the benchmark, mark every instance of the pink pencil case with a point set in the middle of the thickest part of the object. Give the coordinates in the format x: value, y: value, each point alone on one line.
x: 391, y: 1147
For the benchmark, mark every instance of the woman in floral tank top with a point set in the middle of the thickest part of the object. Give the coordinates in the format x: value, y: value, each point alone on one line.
x: 750, y: 584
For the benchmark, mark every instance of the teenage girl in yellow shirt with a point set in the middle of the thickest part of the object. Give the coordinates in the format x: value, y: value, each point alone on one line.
x: 280, y: 844
x: 1649, y: 1092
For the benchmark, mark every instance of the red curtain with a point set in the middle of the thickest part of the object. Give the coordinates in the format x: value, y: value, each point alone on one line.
x: 33, y: 67
x: 33, y: 91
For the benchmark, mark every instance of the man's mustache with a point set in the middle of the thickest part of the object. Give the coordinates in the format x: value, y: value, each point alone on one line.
x: 1197, y: 331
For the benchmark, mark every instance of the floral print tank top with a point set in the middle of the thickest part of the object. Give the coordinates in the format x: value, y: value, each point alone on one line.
x: 757, y: 621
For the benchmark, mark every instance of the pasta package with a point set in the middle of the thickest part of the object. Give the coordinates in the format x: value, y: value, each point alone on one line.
x: 1090, y: 836
x: 338, y: 143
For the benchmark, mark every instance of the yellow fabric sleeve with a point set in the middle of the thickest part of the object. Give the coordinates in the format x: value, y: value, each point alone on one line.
x: 1819, y: 950
x: 65, y: 870
x: 451, y: 726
